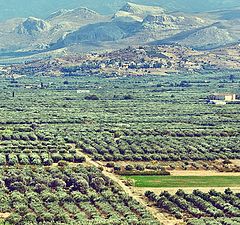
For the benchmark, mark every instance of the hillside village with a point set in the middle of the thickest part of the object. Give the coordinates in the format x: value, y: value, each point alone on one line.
x: 140, y: 60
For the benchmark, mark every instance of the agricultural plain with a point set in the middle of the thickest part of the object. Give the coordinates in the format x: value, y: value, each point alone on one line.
x: 56, y: 131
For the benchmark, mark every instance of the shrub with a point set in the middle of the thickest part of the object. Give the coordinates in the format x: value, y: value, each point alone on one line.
x: 117, y: 168
x: 129, y: 167
x: 140, y: 167
x: 91, y: 97
x: 35, y: 159
x: 79, y: 158
x: 56, y: 157
x: 110, y: 165
x: 62, y: 163
x: 23, y: 159
x: 128, y: 97
x: 2, y: 160
x: 12, y: 159
x: 68, y: 157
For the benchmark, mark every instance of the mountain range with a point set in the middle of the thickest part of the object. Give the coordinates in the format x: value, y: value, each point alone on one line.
x: 25, y: 8
x: 82, y: 29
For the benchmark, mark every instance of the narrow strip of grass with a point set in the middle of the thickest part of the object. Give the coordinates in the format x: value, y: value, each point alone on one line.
x: 185, y: 181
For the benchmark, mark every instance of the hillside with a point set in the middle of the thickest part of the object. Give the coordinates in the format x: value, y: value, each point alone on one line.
x: 227, y: 14
x: 137, y: 24
x: 78, y: 15
x: 211, y: 37
x: 99, y: 32
x: 32, y: 33
x: 32, y: 26
x: 207, y: 37
x: 161, y: 59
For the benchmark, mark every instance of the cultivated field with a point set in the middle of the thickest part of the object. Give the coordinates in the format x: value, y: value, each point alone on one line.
x: 64, y: 141
x: 209, y: 207
x: 185, y: 181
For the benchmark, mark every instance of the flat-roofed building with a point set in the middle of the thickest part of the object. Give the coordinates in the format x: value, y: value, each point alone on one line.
x: 224, y: 97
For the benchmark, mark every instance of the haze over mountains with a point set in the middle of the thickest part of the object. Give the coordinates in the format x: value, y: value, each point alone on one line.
x: 83, y: 29
x: 26, y: 8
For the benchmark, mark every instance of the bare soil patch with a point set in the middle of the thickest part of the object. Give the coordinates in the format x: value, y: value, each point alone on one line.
x: 4, y: 215
x: 202, y: 173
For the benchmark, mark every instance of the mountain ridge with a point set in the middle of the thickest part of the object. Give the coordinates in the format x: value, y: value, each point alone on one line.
x: 32, y: 26
x: 41, y: 9
x: 137, y: 12
x: 132, y: 24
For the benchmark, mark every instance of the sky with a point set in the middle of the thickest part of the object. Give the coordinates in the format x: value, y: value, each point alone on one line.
x: 43, y: 8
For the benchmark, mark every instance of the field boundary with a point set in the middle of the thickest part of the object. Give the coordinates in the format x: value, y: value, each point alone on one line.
x: 162, y: 218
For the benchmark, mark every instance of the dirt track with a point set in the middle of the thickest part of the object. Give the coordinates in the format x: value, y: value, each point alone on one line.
x: 162, y: 218
x: 138, y: 193
x: 202, y: 173
x: 4, y: 215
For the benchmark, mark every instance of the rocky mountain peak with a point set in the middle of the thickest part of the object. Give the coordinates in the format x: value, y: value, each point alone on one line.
x: 141, y: 9
x: 161, y: 19
x: 135, y: 12
x: 32, y: 26
x: 82, y: 12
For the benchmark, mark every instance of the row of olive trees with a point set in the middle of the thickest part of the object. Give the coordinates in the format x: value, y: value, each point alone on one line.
x: 66, y: 195
x: 45, y: 159
x: 198, y: 204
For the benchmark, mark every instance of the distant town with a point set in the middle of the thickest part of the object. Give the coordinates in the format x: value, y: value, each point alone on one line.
x: 142, y: 60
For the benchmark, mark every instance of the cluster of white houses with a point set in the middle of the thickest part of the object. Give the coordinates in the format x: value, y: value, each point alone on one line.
x: 222, y: 98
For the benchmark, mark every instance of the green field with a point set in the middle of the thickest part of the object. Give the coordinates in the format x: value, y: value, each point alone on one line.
x: 185, y: 181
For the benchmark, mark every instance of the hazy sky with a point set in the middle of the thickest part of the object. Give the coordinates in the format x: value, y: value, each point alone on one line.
x: 42, y: 8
